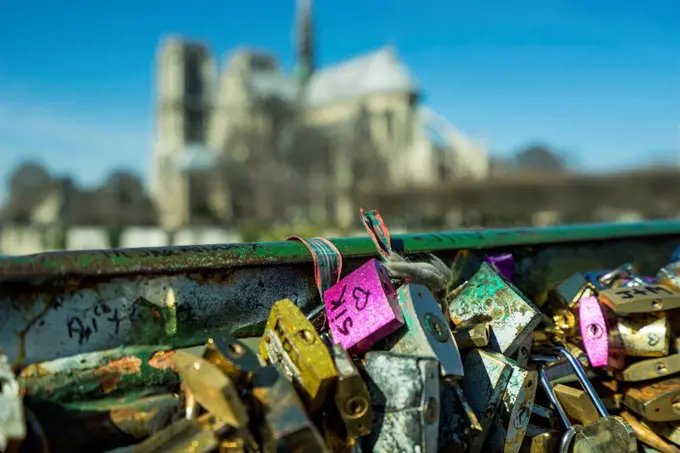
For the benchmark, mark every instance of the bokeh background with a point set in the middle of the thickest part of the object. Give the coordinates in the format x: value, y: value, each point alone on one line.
x: 133, y: 124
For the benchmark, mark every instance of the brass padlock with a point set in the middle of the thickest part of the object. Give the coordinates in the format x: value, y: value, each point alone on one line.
x: 426, y: 331
x: 510, y: 424
x: 645, y: 335
x: 571, y: 290
x: 486, y: 379
x: 647, y: 369
x: 608, y: 434
x: 291, y: 342
x: 658, y: 401
x: 474, y: 335
x: 405, y: 396
x: 232, y: 357
x: 285, y: 425
x: 540, y: 440
x: 513, y: 316
x: 12, y: 420
x: 646, y: 298
x: 577, y: 404
x: 211, y: 388
x: 351, y: 395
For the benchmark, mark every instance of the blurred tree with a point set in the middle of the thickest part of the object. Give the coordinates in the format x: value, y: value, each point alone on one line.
x: 29, y: 178
x: 540, y: 158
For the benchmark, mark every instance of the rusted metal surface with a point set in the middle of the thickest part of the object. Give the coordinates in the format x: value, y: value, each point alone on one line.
x: 59, y: 304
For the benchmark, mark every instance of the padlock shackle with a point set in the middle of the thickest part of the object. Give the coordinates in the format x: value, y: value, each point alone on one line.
x: 545, y: 383
x: 583, y: 379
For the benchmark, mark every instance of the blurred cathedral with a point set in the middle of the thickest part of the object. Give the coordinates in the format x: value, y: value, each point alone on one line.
x: 253, y: 143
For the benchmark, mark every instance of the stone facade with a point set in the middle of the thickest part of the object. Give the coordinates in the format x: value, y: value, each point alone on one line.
x: 254, y: 143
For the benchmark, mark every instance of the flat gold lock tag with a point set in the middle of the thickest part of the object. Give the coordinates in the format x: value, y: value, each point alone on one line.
x: 650, y: 369
x: 641, y: 299
x: 232, y: 357
x: 291, y: 341
x: 198, y: 436
x: 211, y: 388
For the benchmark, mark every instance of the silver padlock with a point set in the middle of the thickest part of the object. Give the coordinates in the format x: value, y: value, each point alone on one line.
x: 12, y: 420
x: 609, y: 434
x: 405, y: 396
x: 426, y: 331
x: 484, y: 384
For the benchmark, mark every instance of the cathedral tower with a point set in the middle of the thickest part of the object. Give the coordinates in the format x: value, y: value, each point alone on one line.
x: 184, y: 91
x: 304, y: 42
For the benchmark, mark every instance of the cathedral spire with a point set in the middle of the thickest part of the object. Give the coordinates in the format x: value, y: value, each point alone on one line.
x: 305, y: 41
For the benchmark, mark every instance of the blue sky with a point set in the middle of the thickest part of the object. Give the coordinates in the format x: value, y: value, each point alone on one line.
x: 599, y: 80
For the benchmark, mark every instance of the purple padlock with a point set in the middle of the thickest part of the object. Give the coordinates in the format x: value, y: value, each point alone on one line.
x: 363, y: 308
x: 505, y: 264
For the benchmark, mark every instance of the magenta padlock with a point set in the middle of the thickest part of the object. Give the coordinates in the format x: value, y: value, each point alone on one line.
x: 505, y: 264
x: 363, y: 308
x: 601, y: 344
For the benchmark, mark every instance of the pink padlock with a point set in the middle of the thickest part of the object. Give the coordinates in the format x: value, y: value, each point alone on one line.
x: 602, y: 346
x: 363, y: 308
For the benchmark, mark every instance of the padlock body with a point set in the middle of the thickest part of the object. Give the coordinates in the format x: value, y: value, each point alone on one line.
x: 362, y: 308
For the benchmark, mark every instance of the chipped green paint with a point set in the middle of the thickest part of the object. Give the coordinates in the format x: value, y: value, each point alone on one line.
x: 196, y: 258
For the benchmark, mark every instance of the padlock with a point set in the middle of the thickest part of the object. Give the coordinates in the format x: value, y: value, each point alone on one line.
x: 601, y: 340
x: 505, y: 264
x: 201, y: 435
x: 576, y: 404
x: 510, y: 424
x: 362, y: 308
x: 486, y: 379
x: 613, y: 278
x: 513, y: 317
x: 570, y: 291
x: 647, y: 369
x: 291, y: 342
x: 426, y: 332
x: 646, y: 298
x: 212, y: 389
x: 458, y: 423
x: 540, y: 440
x: 474, y: 335
x: 232, y: 357
x: 285, y: 425
x: 12, y: 421
x: 658, y: 401
x: 645, y: 335
x: 561, y: 372
x: 405, y: 396
x: 351, y: 395
x: 543, y: 416
x: 608, y: 434
x: 646, y: 435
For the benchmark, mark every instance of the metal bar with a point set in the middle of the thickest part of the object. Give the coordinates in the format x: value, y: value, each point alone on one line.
x: 215, y: 257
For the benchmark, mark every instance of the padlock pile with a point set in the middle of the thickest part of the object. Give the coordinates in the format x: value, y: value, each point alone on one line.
x: 411, y: 356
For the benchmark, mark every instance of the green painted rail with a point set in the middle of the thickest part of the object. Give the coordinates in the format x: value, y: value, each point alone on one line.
x: 214, y: 257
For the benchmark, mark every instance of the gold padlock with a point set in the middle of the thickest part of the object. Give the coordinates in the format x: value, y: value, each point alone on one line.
x: 641, y: 299
x: 291, y: 342
x: 211, y: 388
x: 658, y: 401
x: 540, y: 440
x: 647, y: 369
x: 645, y: 335
x: 472, y: 335
x: 577, y: 404
x: 197, y: 436
x: 351, y: 395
